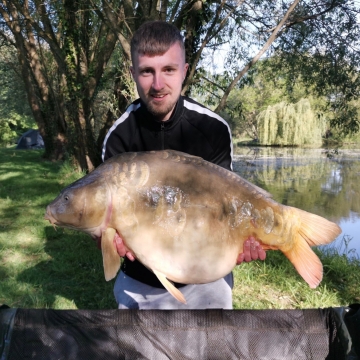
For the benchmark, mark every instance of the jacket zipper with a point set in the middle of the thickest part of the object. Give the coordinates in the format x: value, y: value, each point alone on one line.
x: 162, y: 136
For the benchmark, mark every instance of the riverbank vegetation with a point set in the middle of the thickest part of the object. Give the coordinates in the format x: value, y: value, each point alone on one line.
x: 41, y: 267
x: 277, y: 108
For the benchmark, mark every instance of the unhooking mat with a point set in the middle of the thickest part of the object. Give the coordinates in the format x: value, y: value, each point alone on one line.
x: 330, y: 333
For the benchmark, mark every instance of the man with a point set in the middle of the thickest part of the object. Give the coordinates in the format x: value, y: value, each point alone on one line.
x: 163, y: 119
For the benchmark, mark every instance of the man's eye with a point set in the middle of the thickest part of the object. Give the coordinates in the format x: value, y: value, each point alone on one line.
x: 145, y: 72
x: 170, y: 71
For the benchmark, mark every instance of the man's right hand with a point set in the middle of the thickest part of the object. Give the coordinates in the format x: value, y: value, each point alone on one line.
x: 122, y: 249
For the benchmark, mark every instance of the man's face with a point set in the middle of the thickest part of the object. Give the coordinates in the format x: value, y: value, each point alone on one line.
x: 159, y: 79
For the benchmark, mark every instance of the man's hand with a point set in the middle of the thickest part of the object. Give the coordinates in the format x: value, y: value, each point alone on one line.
x: 252, y: 251
x: 122, y: 249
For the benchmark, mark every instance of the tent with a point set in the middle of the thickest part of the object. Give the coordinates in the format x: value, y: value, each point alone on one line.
x: 213, y: 334
x: 30, y: 140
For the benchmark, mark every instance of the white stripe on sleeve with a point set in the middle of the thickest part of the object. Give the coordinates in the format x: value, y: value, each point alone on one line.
x: 121, y: 119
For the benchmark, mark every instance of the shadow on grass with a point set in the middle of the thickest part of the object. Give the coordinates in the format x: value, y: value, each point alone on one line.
x: 74, y: 272
x: 27, y: 182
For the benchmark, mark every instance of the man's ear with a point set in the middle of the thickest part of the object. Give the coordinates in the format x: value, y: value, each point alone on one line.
x: 132, y: 71
x: 186, y: 67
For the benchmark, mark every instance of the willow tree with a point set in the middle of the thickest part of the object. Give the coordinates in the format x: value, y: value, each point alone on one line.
x: 291, y: 125
x: 266, y: 86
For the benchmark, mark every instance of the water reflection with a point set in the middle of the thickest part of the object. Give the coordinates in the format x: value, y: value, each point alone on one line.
x: 324, y: 183
x: 334, y: 183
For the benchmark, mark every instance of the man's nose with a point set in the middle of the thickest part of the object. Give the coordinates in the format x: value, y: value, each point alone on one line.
x: 158, y: 82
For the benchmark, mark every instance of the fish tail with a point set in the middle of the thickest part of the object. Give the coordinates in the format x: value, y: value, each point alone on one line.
x: 313, y: 230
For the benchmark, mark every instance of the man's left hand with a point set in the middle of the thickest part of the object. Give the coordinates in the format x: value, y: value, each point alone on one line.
x: 121, y: 248
x: 252, y: 251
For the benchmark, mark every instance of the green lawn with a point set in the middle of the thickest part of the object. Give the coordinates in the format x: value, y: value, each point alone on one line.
x: 62, y: 269
x: 41, y: 267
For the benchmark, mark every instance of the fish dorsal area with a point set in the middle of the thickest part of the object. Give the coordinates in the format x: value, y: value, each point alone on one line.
x: 169, y: 186
x: 244, y: 207
x: 129, y: 171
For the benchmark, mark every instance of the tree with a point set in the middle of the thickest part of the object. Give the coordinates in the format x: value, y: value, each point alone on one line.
x: 62, y: 48
x: 15, y: 114
x: 65, y: 48
x: 291, y: 124
x: 266, y: 85
x: 327, y: 59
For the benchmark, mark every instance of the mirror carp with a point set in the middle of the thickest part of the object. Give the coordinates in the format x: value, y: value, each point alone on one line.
x: 185, y: 219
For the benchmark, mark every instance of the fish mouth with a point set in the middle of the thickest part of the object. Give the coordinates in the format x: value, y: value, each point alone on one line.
x: 92, y: 232
x: 48, y: 216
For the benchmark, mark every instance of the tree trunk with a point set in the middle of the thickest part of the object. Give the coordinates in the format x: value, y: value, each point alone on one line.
x: 40, y: 100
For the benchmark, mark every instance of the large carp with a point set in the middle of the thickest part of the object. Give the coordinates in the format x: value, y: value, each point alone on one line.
x: 184, y: 218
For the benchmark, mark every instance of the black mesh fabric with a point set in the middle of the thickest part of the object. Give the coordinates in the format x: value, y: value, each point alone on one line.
x: 162, y: 334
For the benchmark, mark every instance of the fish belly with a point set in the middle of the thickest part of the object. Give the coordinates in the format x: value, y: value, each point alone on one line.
x: 185, y: 260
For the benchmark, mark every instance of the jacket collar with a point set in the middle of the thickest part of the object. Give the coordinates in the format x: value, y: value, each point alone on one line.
x: 153, y: 123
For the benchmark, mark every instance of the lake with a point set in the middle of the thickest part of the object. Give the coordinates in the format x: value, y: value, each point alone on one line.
x: 326, y: 183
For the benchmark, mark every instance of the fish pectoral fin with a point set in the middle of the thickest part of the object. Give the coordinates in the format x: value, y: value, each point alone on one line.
x: 111, y: 259
x: 176, y: 293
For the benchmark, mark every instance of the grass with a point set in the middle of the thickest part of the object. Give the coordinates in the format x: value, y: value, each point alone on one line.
x: 62, y: 269
x: 275, y: 284
x: 41, y: 267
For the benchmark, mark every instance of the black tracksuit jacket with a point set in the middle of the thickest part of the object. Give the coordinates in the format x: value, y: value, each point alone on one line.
x: 192, y: 128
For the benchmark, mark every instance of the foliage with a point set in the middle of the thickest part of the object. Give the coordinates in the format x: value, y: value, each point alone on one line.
x: 268, y: 84
x: 333, y: 74
x: 66, y: 51
x: 265, y: 87
x: 62, y: 50
x: 15, y: 114
x: 291, y: 125
x: 13, y: 126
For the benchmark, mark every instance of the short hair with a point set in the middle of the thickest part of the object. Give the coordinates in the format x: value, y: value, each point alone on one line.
x: 155, y: 38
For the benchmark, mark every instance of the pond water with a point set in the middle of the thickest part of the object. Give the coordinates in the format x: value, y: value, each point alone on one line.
x: 326, y: 183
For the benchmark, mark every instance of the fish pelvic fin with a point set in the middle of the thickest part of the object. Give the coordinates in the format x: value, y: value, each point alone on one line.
x: 111, y: 259
x: 176, y: 293
x: 313, y: 230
